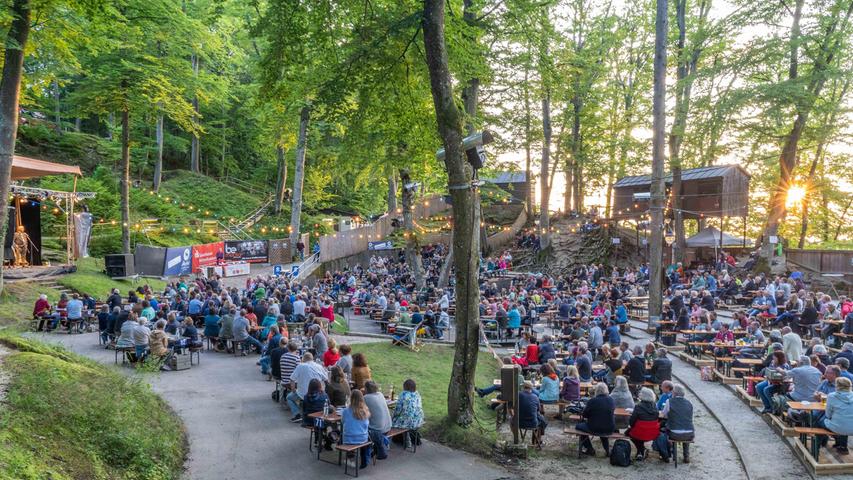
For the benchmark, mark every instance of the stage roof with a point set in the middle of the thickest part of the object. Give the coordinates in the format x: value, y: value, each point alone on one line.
x: 25, y: 167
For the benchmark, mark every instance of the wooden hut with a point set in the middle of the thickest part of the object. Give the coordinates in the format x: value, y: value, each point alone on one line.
x: 718, y: 191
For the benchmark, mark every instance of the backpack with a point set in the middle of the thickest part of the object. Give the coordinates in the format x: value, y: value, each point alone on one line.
x: 275, y: 395
x: 661, y: 445
x: 620, y: 453
x: 779, y: 404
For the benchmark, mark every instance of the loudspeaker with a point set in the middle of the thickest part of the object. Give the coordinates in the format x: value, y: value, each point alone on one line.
x: 476, y: 157
x: 119, y: 265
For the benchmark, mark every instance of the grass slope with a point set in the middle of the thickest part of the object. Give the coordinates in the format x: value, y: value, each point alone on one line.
x: 66, y: 417
x: 90, y: 278
x: 430, y: 368
x: 18, y: 299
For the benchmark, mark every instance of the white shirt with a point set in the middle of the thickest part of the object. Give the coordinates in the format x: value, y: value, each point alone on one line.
x: 304, y: 373
x: 299, y: 307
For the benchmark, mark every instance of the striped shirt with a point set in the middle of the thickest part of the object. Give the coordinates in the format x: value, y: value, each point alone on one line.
x: 288, y: 362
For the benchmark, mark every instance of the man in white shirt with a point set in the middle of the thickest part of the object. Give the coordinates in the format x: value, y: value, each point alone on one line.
x: 301, y: 376
x: 792, y: 345
x: 299, y: 308
x: 444, y: 302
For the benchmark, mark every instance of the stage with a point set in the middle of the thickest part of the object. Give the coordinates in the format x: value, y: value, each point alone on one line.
x: 15, y: 274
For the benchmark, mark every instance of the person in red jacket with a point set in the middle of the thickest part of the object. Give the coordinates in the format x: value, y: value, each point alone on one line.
x: 644, y: 423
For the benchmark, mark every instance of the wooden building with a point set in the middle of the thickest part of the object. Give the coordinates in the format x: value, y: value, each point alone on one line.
x: 513, y: 182
x: 718, y: 191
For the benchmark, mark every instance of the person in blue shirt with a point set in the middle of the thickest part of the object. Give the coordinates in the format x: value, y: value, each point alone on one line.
x: 711, y: 283
x: 195, y: 305
x: 211, y: 325
x: 665, y: 395
x: 621, y: 313
x: 355, y: 420
x: 513, y: 320
x: 611, y: 334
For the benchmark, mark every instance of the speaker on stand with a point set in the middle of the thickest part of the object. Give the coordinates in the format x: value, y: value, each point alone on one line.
x: 119, y: 265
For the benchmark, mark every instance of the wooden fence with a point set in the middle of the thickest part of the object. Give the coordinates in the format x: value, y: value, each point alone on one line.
x: 823, y: 261
x: 351, y: 242
x: 507, y: 236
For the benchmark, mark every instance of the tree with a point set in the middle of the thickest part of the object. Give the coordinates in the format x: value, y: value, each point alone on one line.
x: 460, y: 397
x: 658, y: 159
x: 10, y: 87
x: 299, y: 177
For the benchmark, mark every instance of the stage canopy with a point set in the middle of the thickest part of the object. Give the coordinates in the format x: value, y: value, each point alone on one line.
x: 25, y: 167
x: 710, y: 237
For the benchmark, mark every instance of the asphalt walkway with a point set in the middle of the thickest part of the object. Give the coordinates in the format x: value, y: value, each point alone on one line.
x: 236, y: 432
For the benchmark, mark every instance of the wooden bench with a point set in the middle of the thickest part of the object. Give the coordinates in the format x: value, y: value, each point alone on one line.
x: 578, y: 433
x: 412, y: 434
x: 356, y: 450
x: 673, y: 449
x: 123, y: 351
x: 813, y: 433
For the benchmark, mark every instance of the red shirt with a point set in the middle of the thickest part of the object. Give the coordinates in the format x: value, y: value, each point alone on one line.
x: 330, y: 358
x: 42, y: 306
x: 532, y: 353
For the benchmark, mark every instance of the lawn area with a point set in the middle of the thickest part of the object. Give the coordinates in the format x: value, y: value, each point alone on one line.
x: 430, y: 368
x: 18, y: 299
x: 90, y: 278
x: 65, y: 417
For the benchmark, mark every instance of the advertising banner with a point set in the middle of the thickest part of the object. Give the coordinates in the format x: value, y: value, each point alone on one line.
x: 252, y: 251
x: 383, y: 245
x: 236, y: 269
x: 207, y: 254
x: 178, y: 261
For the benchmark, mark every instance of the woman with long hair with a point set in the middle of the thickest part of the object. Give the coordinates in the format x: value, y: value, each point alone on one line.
x: 355, y: 420
x: 360, y: 370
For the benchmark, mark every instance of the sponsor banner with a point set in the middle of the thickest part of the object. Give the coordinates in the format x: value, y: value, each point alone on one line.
x: 178, y: 261
x: 236, y: 269
x: 252, y: 251
x: 383, y: 245
x: 207, y: 254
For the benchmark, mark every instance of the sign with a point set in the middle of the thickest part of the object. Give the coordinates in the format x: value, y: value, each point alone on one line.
x: 236, y: 269
x: 207, y: 255
x: 252, y: 251
x: 279, y: 251
x: 178, y: 261
x: 615, y: 240
x: 644, y: 241
x: 383, y: 245
x: 294, y: 271
x: 773, y: 239
x: 276, y: 270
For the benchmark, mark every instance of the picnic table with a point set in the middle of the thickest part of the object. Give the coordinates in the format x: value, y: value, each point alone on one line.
x: 808, y: 407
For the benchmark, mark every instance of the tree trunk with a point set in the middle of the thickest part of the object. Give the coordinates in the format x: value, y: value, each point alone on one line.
x: 545, y: 192
x: 392, y: 194
x: 528, y: 171
x: 10, y: 89
x: 569, y: 174
x: 195, y: 164
x: 841, y: 220
x: 125, y: 181
x: 460, y: 394
x: 444, y: 274
x: 281, y: 179
x: 78, y: 123
x: 299, y: 177
x: 576, y: 153
x: 111, y: 122
x: 658, y: 159
x: 57, y: 107
x: 158, y: 163
x: 413, y: 257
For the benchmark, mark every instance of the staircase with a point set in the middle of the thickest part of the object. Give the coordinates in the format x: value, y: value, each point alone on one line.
x: 240, y: 230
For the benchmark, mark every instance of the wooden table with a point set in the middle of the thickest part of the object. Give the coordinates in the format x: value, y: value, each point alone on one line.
x: 808, y: 407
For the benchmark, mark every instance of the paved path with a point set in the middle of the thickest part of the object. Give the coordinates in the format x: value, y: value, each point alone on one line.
x: 237, y: 432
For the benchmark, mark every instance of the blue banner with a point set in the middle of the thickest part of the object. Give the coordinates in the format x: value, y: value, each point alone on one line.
x: 178, y: 261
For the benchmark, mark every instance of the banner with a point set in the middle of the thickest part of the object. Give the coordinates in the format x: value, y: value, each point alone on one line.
x: 252, y: 251
x: 280, y: 251
x: 82, y: 232
x: 178, y: 261
x: 383, y: 245
x: 149, y: 261
x: 236, y: 269
x: 207, y: 254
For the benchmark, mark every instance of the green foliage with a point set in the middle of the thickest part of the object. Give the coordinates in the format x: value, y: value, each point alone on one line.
x: 115, y: 427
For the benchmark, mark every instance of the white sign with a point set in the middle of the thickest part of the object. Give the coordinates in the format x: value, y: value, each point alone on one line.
x: 616, y: 240
x: 236, y: 269
x: 773, y: 239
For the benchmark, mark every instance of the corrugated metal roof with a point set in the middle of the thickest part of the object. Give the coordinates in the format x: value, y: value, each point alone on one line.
x: 508, y: 177
x: 701, y: 173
